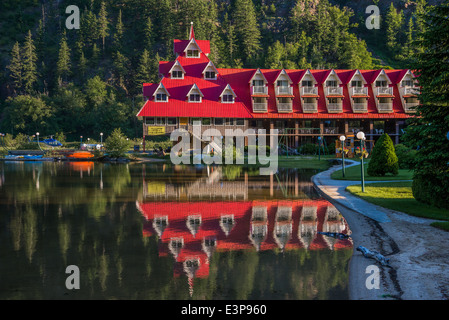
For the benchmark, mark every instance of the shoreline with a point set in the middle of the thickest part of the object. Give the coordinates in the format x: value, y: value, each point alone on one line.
x: 417, y: 252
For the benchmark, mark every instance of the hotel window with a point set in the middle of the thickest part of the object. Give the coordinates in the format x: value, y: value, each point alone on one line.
x: 227, y: 98
x: 331, y: 83
x: 229, y: 121
x: 206, y: 122
x: 219, y: 121
x: 407, y: 83
x: 359, y: 100
x: 356, y: 83
x: 149, y: 120
x: 282, y: 83
x: 384, y: 100
x: 171, y: 121
x: 333, y: 100
x: 177, y: 75
x: 161, y: 97
x: 284, y: 100
x: 239, y: 122
x: 159, y: 121
x: 309, y: 100
x: 259, y: 100
x: 382, y: 84
x: 193, y: 54
x: 210, y: 75
x: 307, y: 83
x: 194, y: 97
x: 258, y: 83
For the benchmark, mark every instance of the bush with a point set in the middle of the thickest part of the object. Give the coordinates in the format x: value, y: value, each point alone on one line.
x: 406, y: 156
x: 431, y: 189
x: 383, y: 158
x: 308, y: 148
x: 117, y: 144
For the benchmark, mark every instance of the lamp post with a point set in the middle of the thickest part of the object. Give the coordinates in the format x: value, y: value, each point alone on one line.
x: 319, y: 148
x: 37, y: 135
x: 361, y: 136
x: 342, y: 139
x: 101, y: 138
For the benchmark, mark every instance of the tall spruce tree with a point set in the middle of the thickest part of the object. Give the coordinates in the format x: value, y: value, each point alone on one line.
x: 118, y: 34
x: 63, y: 65
x: 15, y: 69
x: 29, y: 60
x: 103, y: 24
x: 393, y: 21
x: 246, y: 29
x: 429, y: 128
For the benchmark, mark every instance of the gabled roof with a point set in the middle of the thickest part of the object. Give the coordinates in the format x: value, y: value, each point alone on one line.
x: 176, y: 64
x: 357, y: 72
x: 193, y: 41
x: 161, y: 86
x: 195, y: 87
x: 307, y: 72
x: 283, y: 72
x: 257, y: 71
x: 379, y: 73
x: 228, y: 87
x: 180, y: 45
x: 210, y: 64
x: 332, y: 72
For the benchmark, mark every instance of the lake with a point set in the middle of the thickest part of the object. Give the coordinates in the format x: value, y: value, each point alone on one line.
x: 158, y: 231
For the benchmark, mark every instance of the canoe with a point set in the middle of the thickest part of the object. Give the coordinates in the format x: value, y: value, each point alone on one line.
x: 80, y: 155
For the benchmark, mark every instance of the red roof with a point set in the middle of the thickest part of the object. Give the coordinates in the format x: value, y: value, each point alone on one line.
x: 239, y: 80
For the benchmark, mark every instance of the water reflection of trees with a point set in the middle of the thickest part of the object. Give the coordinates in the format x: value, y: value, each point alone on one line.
x: 57, y: 215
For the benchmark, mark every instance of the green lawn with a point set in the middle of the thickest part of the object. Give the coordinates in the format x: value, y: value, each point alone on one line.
x: 305, y: 162
x: 398, y: 196
x: 353, y: 173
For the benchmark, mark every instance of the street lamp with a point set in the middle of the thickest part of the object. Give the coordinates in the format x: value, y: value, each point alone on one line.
x: 101, y: 138
x: 342, y: 139
x: 361, y: 137
x: 319, y: 148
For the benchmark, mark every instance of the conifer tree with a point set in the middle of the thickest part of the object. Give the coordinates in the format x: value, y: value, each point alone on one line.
x: 144, y: 69
x: 63, y: 64
x: 394, y: 21
x: 15, y: 68
x: 247, y: 31
x: 29, y: 59
x: 149, y: 36
x: 119, y: 30
x: 103, y: 24
x: 383, y: 158
x: 429, y: 127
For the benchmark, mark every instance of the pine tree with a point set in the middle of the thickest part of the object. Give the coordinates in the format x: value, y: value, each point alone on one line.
x: 429, y: 127
x: 15, y: 68
x: 63, y: 64
x: 394, y: 21
x: 383, y: 158
x: 29, y: 59
x: 82, y: 65
x: 144, y: 71
x: 149, y: 36
x: 120, y: 70
x: 103, y: 24
x: 119, y: 30
x: 247, y: 31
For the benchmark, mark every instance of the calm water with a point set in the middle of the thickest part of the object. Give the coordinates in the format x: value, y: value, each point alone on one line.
x: 156, y: 231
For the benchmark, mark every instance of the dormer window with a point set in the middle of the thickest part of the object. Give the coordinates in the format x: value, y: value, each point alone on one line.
x: 331, y: 83
x: 356, y: 83
x: 161, y: 97
x: 381, y: 83
x: 228, y: 98
x: 210, y: 75
x: 195, y: 94
x: 193, y: 53
x: 407, y: 83
x: 194, y: 97
x: 177, y: 75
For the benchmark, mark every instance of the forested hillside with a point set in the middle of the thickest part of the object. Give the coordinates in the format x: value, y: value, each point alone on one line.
x: 86, y: 81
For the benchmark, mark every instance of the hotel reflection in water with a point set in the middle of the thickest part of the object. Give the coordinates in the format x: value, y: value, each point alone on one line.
x: 194, y: 219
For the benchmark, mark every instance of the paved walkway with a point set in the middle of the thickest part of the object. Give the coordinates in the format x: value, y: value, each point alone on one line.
x: 336, y: 190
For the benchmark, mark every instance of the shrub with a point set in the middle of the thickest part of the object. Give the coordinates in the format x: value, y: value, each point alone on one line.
x: 431, y: 189
x: 308, y: 148
x: 117, y: 144
x: 383, y: 158
x: 406, y: 156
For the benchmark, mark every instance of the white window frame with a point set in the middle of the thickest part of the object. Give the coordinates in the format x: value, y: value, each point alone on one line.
x: 195, y: 101
x: 192, y: 56
x: 223, y: 123
x: 158, y: 100
x: 237, y: 119
x: 227, y: 94
x: 209, y: 78
x: 172, y: 74
x: 174, y: 124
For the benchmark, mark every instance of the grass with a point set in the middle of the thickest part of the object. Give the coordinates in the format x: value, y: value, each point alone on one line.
x: 353, y: 173
x: 398, y: 196
x: 305, y: 162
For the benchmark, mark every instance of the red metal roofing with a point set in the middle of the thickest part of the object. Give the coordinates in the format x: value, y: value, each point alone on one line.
x: 239, y: 80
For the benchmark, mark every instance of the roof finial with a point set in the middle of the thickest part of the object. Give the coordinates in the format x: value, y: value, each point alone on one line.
x: 192, y: 34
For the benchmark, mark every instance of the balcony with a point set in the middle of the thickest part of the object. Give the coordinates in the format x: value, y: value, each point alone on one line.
x: 360, y: 107
x: 334, y: 91
x: 284, y: 91
x: 385, y: 107
x: 359, y: 91
x: 284, y: 107
x: 256, y: 90
x: 412, y: 91
x: 309, y: 90
x: 260, y: 107
x: 384, y: 91
x: 409, y: 106
x: 309, y: 107
x: 331, y: 130
x: 335, y: 107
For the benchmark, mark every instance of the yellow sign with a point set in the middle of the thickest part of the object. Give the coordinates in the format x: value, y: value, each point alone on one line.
x: 183, y: 121
x: 155, y: 188
x: 156, y: 131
